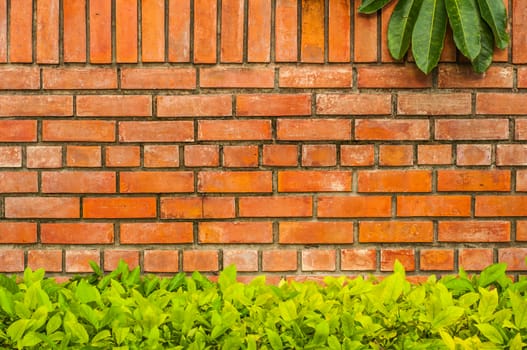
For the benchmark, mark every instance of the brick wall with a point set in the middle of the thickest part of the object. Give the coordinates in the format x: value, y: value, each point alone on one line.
x: 278, y: 135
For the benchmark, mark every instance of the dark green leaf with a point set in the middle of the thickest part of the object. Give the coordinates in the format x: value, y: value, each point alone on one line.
x: 401, y: 25
x: 371, y: 6
x: 495, y: 15
x: 464, y: 21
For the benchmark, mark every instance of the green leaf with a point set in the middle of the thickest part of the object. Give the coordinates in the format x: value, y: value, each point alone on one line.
x: 321, y: 333
x: 6, y: 302
x: 448, y: 340
x: 519, y: 310
x: 333, y: 343
x: 487, y: 304
x: 495, y: 15
x: 371, y: 6
x: 490, y: 332
x: 16, y: 330
x: 87, y: 293
x: 483, y: 61
x: 53, y: 324
x: 428, y: 35
x: 492, y: 274
x: 464, y: 21
x: 516, y: 342
x: 401, y: 25
x: 274, y: 339
x: 447, y: 317
x: 30, y: 339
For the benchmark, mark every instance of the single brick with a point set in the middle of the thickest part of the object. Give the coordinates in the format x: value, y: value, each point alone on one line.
x: 18, y: 130
x: 74, y: 30
x: 319, y: 260
x: 365, y: 36
x: 79, y: 78
x: 165, y: 131
x: 234, y: 130
x: 156, y: 182
x: 114, y: 106
x: 194, y: 106
x: 19, y: 78
x: 313, y: 129
x: 36, y: 106
x: 391, y: 129
x: 114, y: 256
x: 520, y: 129
x: 339, y: 31
x: 471, y: 129
x: 235, y: 181
x: 463, y: 76
x: 354, y: 206
x: 78, y: 182
x: 297, y: 206
x: 200, y: 260
x: 434, y: 154
x: 240, y: 156
x: 49, y: 260
x: 235, y: 232
x: 156, y: 233
x: 392, y: 77
x: 265, y: 105
x: 259, y: 31
x: 396, y: 231
x: 44, y: 156
x: 495, y: 206
x: 161, y: 260
x: 79, y: 260
x: 83, y: 156
x: 18, y: 181
x: 511, y: 154
x: 433, y: 205
x: 521, y: 180
x: 233, y: 78
x: 123, y: 156
x: 501, y: 103
x: 18, y: 232
x: 469, y: 154
x: 21, y: 32
x: 434, y: 104
x: 126, y: 31
x: 42, y: 207
x: 232, y: 22
x: 313, y: 232
x: 205, y: 24
x: 280, y: 155
x: 244, y: 260
x: 119, y: 207
x: 513, y: 257
x: 202, y: 155
x: 474, y: 231
x: 521, y: 230
x: 12, y: 260
x: 474, y: 180
x: 153, y: 30
x: 354, y: 104
x: 357, y: 155
x: 319, y: 155
x: 314, y: 181
x: 10, y: 157
x: 358, y: 259
x: 286, y: 33
x: 76, y: 233
x: 179, y: 30
x: 279, y: 260
x: 156, y: 156
x: 394, y: 181
x: 310, y: 77
x: 396, y: 155
x: 405, y: 256
x: 100, y: 27
x: 436, y: 260
x: 78, y: 130
x: 475, y: 259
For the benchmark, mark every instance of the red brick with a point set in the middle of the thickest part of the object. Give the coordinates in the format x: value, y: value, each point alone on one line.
x: 357, y: 155
x: 279, y: 260
x: 78, y: 182
x: 386, y: 14
x: 392, y: 130
x: 313, y: 129
x: 470, y: 154
x: 200, y: 260
x: 405, y: 256
x: 3, y: 31
x: 305, y: 77
x: 12, y: 260
x: 521, y: 230
x: 275, y: 206
x: 197, y: 207
x: 522, y: 77
x: 123, y: 156
x: 316, y: 232
x: 223, y: 77
x: 44, y: 156
x: 10, y: 157
x: 235, y: 232
x: 42, y: 207
x: 474, y: 231
x: 156, y: 233
x: 472, y: 129
x: 156, y: 181
x: 19, y: 78
x: 434, y: 205
x: 473, y: 180
x: 519, y: 32
x: 234, y: 130
x: 259, y: 31
x: 240, y: 156
x: 475, y: 259
x: 83, y: 156
x: 396, y: 155
x: 354, y: 206
x: 79, y: 260
x: 354, y: 104
x: 365, y: 36
x: 515, y: 154
x: 194, y: 106
x: 165, y: 131
x: 20, y: 32
x: 286, y: 32
x: 392, y: 77
x: 49, y: 260
x: 273, y: 105
x: 153, y: 30
x: 114, y: 256
x: 158, y: 78
x: 36, y: 106
x: 436, y: 260
x: 520, y: 129
x: 394, y: 181
x: 47, y: 26
x: 319, y: 260
x: 161, y: 261
x: 434, y: 104
x: 18, y: 232
x: 339, y: 31
x: 495, y: 206
x: 119, y: 207
x: 126, y: 31
x: 463, y: 76
x: 513, y: 257
x: 319, y: 155
x: 521, y: 180
x: 76, y: 233
x: 244, y: 260
x: 358, y: 259
x: 205, y: 22
x: 18, y: 181
x: 78, y: 130
x: 396, y: 231
x: 314, y: 181
x: 161, y: 156
x: 501, y: 103
x: 235, y: 181
x: 434, y: 154
x: 179, y: 31
x: 202, y: 155
x: 280, y: 155
x: 18, y: 130
x: 232, y: 17
x: 79, y: 78
x: 74, y: 30
x: 100, y: 31
x: 218, y: 207
x: 114, y: 106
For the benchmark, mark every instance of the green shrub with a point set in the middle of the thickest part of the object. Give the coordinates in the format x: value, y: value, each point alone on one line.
x: 124, y: 310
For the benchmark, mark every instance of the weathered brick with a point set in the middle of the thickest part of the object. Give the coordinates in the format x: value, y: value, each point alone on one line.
x: 234, y: 130
x: 473, y: 180
x: 78, y: 130
x: 434, y: 104
x: 463, y: 76
x: 286, y: 33
x: 10, y: 157
x: 394, y: 181
x: 100, y: 27
x: 114, y: 106
x: 179, y: 30
x: 18, y: 130
x: 42, y: 207
x: 316, y: 77
x: 521, y: 180
x: 235, y: 232
x: 76, y: 233
x: 226, y: 77
x: 232, y: 22
x: 354, y: 104
x: 280, y: 155
x: 202, y: 155
x: 112, y: 258
x: 474, y: 231
x: 245, y: 260
x: 279, y: 260
x: 315, y: 232
x: 319, y: 155
x: 354, y: 206
x: 405, y: 256
x: 433, y: 205
x: 513, y: 257
x: 49, y: 260
x: 205, y: 22
x: 475, y: 259
x: 240, y: 156
x: 319, y: 260
x: 501, y: 103
x: 314, y: 181
x: 153, y: 30
x: 21, y: 32
x: 161, y: 260
x: 392, y: 130
x: 436, y: 260
x: 434, y: 154
x: 44, y: 156
x: 339, y: 31
x: 79, y: 260
x: 12, y: 260
x: 313, y: 129
x: 19, y: 78
x: 83, y: 156
x: 78, y: 182
x: 36, y: 106
x: 74, y: 28
x: 156, y: 232
x: 264, y: 105
x: 357, y: 155
x: 164, y: 156
x: 358, y: 259
x: 470, y: 154
x: 471, y: 129
x: 396, y: 231
x: 123, y: 156
x: 200, y: 260
x: 79, y: 78
x: 511, y: 154
x: 126, y: 31
x: 197, y: 207
x: 156, y: 182
x: 396, y: 155
x: 312, y: 36
x: 297, y: 206
x: 392, y: 76
x: 165, y: 131
x: 18, y: 181
x: 365, y: 36
x: 194, y: 106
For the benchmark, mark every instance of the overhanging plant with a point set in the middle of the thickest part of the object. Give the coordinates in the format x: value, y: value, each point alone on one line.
x: 477, y: 26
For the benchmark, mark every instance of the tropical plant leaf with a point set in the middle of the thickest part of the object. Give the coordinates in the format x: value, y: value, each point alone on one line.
x: 401, y: 25
x: 495, y: 15
x: 428, y: 35
x: 371, y: 6
x: 464, y: 21
x: 483, y: 61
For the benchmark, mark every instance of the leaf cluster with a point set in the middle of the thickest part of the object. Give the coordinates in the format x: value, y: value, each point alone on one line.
x: 477, y: 26
x: 124, y: 310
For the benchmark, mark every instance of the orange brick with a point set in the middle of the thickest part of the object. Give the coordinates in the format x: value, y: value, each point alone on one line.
x: 3, y: 31
x: 396, y: 231
x: 365, y: 36
x: 386, y: 14
x: 49, y: 260
x: 319, y: 155
x: 234, y: 130
x: 264, y: 105
x: 472, y: 129
x: 469, y: 154
x: 12, y: 260
x: 158, y: 78
x: 21, y: 30
x: 319, y: 260
x: 286, y: 32
x: 200, y: 260
x: 405, y: 256
x: 519, y: 32
x: 78, y: 182
x: 520, y: 129
x: 18, y: 181
x: 339, y: 31
x: 474, y: 231
x: 114, y: 106
x: 313, y: 129
x: 354, y: 206
x: 78, y: 130
x: 280, y: 155
x: 235, y: 232
x: 156, y: 233
x: 434, y: 154
x: 494, y: 206
x: 100, y: 27
x: 10, y: 157
x: 514, y: 154
x: 225, y: 77
x: 74, y: 30
x: 475, y: 259
x: 76, y: 233
x: 513, y: 257
x: 394, y: 181
x: 194, y: 105
x: 473, y: 180
x: 156, y: 156
x: 521, y: 230
x: 305, y: 77
x: 205, y: 22
x: 161, y: 260
x: 463, y: 76
x: 218, y: 207
x: 18, y: 232
x: 36, y: 106
x: 235, y: 181
x: 165, y: 131
x: 181, y: 208
x: 153, y: 30
x: 521, y: 180
x: 436, y: 260
x: 156, y: 181
x: 357, y: 155
x: 202, y: 155
x: 313, y: 232
x: 396, y: 155
x: 83, y: 156
x: 275, y: 206
x: 18, y: 130
x: 244, y: 260
x: 79, y: 78
x: 358, y: 259
x: 119, y: 207
x: 434, y: 104
x: 114, y: 256
x: 522, y: 77
x: 123, y: 156
x: 314, y: 181
x: 42, y: 207
x: 126, y: 31
x: 44, y: 156
x: 19, y: 78
x: 434, y: 205
x: 179, y: 30
x: 232, y: 18
x: 392, y: 130
x: 259, y: 31
x: 501, y: 103
x: 392, y: 77
x: 240, y: 156
x: 279, y: 260
x: 79, y: 260
x: 354, y: 104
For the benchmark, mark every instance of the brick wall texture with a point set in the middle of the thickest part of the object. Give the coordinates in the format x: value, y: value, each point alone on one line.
x: 277, y: 135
